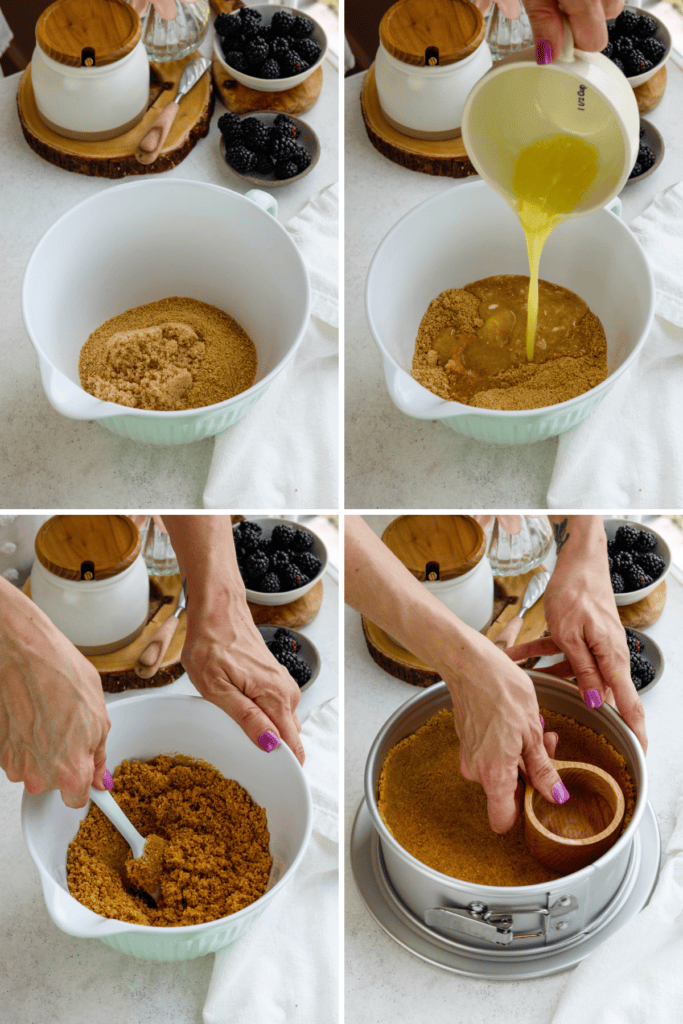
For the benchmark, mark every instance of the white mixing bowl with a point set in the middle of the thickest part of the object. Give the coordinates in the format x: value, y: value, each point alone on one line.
x: 147, y: 240
x: 143, y: 726
x: 470, y: 232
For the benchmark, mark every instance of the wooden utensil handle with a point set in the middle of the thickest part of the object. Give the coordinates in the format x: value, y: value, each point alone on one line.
x: 149, y: 660
x: 507, y: 636
x: 150, y: 145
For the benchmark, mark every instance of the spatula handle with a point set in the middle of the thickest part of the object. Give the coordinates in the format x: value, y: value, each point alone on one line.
x: 106, y: 803
x: 149, y: 660
x: 150, y: 145
x: 509, y: 633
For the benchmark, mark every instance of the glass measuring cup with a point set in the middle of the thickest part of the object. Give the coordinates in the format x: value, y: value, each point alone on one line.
x: 517, y: 103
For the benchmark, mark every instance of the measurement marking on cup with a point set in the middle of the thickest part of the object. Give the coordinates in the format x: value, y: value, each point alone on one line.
x: 582, y: 97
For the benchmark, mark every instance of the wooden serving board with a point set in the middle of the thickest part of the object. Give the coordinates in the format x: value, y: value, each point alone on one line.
x: 163, y: 598
x: 115, y: 158
x: 446, y: 158
x: 240, y: 99
x: 508, y: 594
x: 650, y: 93
x: 292, y: 616
x: 643, y: 613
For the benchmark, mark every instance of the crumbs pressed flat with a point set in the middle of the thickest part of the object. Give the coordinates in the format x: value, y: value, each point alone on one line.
x: 174, y: 354
x: 217, y: 858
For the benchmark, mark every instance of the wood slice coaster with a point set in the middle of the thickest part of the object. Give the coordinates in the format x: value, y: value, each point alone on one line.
x: 116, y: 668
x: 650, y: 93
x: 294, y: 615
x: 240, y: 99
x: 643, y: 613
x: 446, y: 158
x: 115, y: 158
x: 508, y: 593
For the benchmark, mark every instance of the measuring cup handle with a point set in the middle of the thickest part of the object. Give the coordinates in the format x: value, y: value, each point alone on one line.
x: 567, y: 51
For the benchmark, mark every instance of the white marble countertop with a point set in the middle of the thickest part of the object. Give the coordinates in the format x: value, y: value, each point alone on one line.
x: 394, y: 460
x: 47, y: 460
x: 385, y: 983
x: 53, y: 978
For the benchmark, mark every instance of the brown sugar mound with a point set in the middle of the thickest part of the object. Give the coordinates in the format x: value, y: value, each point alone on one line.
x: 441, y: 818
x: 174, y: 354
x: 216, y: 860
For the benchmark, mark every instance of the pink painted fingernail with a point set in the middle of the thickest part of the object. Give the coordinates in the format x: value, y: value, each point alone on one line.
x: 557, y: 740
x: 593, y: 699
x: 542, y: 721
x: 544, y: 52
x: 107, y: 780
x: 560, y: 793
x: 268, y: 741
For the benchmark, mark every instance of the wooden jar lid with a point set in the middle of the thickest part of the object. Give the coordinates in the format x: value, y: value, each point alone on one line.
x: 65, y: 543
x: 455, y: 543
x: 74, y: 32
x: 431, y: 32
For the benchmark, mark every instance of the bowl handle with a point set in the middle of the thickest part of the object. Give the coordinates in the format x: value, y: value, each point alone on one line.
x: 415, y: 400
x: 262, y: 199
x: 67, y: 398
x: 614, y: 206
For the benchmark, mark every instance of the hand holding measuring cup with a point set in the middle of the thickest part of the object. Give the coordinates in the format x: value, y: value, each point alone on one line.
x: 588, y: 22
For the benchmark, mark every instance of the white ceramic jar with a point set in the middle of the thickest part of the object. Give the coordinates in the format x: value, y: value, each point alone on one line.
x: 430, y: 56
x: 90, y: 70
x: 91, y: 581
x: 448, y: 555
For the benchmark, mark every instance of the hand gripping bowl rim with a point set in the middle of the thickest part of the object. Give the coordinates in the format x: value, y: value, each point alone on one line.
x: 455, y: 410
x: 108, y: 410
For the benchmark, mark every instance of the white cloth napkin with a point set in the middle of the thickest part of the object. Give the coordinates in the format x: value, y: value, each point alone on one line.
x: 635, y: 976
x: 284, y: 453
x: 629, y: 451
x: 285, y: 969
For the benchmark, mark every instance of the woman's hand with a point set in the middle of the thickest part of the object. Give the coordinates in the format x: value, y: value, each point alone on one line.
x: 588, y: 20
x: 584, y: 622
x: 53, y: 716
x: 224, y: 653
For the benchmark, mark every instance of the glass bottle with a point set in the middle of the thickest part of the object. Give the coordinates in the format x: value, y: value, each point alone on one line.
x: 172, y: 40
x: 157, y: 551
x: 507, y: 35
x: 511, y: 554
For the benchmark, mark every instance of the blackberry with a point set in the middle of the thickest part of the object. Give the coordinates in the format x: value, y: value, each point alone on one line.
x: 652, y: 564
x: 270, y: 69
x: 622, y: 561
x: 302, y: 28
x: 282, y: 148
x: 256, y: 565
x: 642, y: 671
x: 617, y: 583
x: 284, y: 638
x: 646, y: 541
x: 608, y: 51
x: 264, y: 164
x: 241, y: 159
x: 269, y: 584
x: 279, y: 560
x: 247, y: 535
x: 301, y: 672
x: 256, y: 51
x: 292, y: 64
x: 611, y: 548
x: 292, y: 578
x: 646, y: 157
x: 635, y: 645
x: 610, y: 563
x: 284, y: 126
x: 230, y: 127
x: 618, y: 64
x: 641, y: 133
x: 227, y: 26
x: 308, y: 49
x: 653, y: 49
x: 626, y: 538
x: 635, y: 578
x: 250, y: 21
x: 282, y: 536
x: 636, y: 170
x: 286, y: 169
x: 284, y: 656
x: 303, y: 541
x: 309, y: 563
x: 254, y: 134
x: 623, y: 45
x: 282, y: 23
x: 637, y: 63
x: 626, y: 23
x: 278, y: 47
x: 646, y: 27
x: 236, y: 59
x: 612, y: 32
